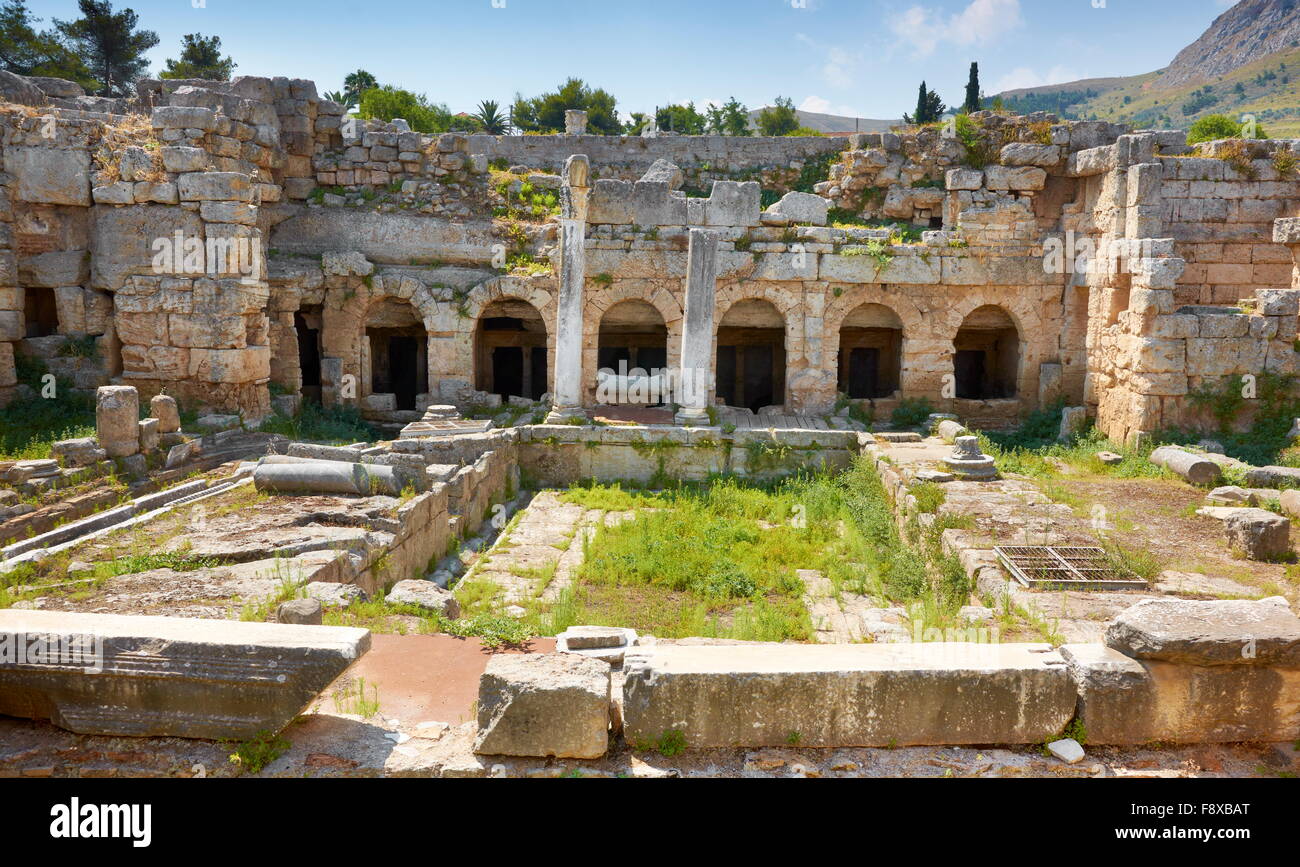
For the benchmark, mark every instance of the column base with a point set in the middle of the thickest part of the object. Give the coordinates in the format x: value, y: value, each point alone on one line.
x: 562, y: 414
x: 687, y: 417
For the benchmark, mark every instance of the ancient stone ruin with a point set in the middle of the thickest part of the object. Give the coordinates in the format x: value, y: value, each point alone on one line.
x: 660, y: 445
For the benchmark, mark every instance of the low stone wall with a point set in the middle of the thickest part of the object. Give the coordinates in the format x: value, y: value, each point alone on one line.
x: 701, y: 158
x: 558, y: 455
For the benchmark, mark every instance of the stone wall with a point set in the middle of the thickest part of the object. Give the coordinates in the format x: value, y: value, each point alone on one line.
x: 703, y: 159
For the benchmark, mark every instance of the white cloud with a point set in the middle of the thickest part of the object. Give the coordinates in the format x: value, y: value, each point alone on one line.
x: 980, y: 23
x: 838, y: 66
x: 820, y: 105
x: 1024, y: 77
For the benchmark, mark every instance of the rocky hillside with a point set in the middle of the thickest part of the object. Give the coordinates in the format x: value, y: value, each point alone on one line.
x: 1247, y: 62
x: 1249, y: 31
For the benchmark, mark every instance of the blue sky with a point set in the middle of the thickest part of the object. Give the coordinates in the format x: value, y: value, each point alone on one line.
x: 855, y: 57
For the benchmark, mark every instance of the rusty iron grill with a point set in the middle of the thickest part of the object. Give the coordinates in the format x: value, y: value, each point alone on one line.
x: 1052, y: 568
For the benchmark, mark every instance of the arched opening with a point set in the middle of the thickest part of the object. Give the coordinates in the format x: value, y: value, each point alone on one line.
x: 510, y: 351
x: 632, y: 354
x: 398, y: 352
x: 41, y: 313
x: 987, y: 361
x: 751, y: 355
x: 871, y: 353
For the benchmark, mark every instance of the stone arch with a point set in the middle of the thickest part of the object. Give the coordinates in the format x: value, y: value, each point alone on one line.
x: 753, y: 343
x: 869, y: 360
x: 453, y: 331
x: 512, y: 355
x: 602, y: 301
x: 988, y: 355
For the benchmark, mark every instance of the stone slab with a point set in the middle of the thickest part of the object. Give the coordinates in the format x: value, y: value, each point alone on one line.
x: 848, y: 695
x: 170, y: 677
x: 544, y: 705
x: 1229, y: 632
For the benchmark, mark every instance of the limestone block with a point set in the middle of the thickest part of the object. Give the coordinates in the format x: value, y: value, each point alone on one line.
x: 49, y: 176
x: 214, y: 186
x: 54, y: 269
x: 185, y: 159
x: 120, y: 193
x: 1228, y: 632
x: 239, y: 213
x: 848, y: 695
x: 8, y: 376
x: 149, y: 435
x: 544, y: 705
x: 230, y: 365
x: 1259, y: 534
x: 164, y: 408
x: 183, y: 117
x: 1003, y: 178
x: 83, y: 452
x: 1125, y: 701
x: 802, y: 208
x: 426, y: 595
x: 117, y: 420
x: 1225, y: 356
x: 170, y: 677
x: 1157, y: 273
x: 663, y: 171
x: 301, y: 612
x: 965, y: 179
x: 1278, y: 302
x: 1024, y: 154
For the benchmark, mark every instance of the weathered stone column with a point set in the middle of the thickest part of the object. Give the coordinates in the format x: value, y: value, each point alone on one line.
x: 696, y: 374
x: 573, y: 277
x: 117, y: 420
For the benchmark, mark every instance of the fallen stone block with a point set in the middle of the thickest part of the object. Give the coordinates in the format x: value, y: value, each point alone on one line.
x: 164, y: 676
x: 870, y: 695
x: 302, y: 612
x: 1229, y: 632
x: 544, y: 705
x: 426, y: 595
x: 1194, y: 468
x: 1272, y: 477
x: 1231, y: 496
x: 1068, y: 751
x: 1259, y: 534
x: 1126, y: 702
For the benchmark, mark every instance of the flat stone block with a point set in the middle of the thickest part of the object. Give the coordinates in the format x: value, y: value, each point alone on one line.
x: 1228, y: 632
x: 848, y: 695
x: 169, y: 677
x: 544, y: 705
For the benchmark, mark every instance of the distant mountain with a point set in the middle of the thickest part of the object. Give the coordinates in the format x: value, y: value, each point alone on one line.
x: 1247, y: 62
x: 1249, y: 31
x: 834, y: 124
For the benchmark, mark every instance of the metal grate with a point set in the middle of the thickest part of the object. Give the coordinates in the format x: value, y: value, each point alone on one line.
x: 1047, y: 568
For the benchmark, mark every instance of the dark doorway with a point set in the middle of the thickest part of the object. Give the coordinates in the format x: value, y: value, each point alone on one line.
x: 864, y: 374
x: 508, y: 371
x: 727, y: 374
x: 42, y: 313
x: 510, y: 351
x: 537, y: 356
x: 759, y: 379
x: 403, y: 366
x: 971, y: 381
x: 308, y: 357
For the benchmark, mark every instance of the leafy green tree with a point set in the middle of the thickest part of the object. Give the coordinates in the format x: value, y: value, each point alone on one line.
x: 26, y: 51
x: 387, y: 102
x: 730, y: 118
x: 545, y: 113
x: 356, y: 84
x: 200, y: 58
x: 110, y: 45
x: 778, y: 120
x: 490, y: 119
x: 973, y: 98
x: 1219, y: 126
x: 929, y: 107
x: 682, y: 119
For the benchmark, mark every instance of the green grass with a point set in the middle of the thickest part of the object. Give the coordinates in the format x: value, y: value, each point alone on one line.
x: 332, y: 426
x: 32, y: 426
x: 720, y: 558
